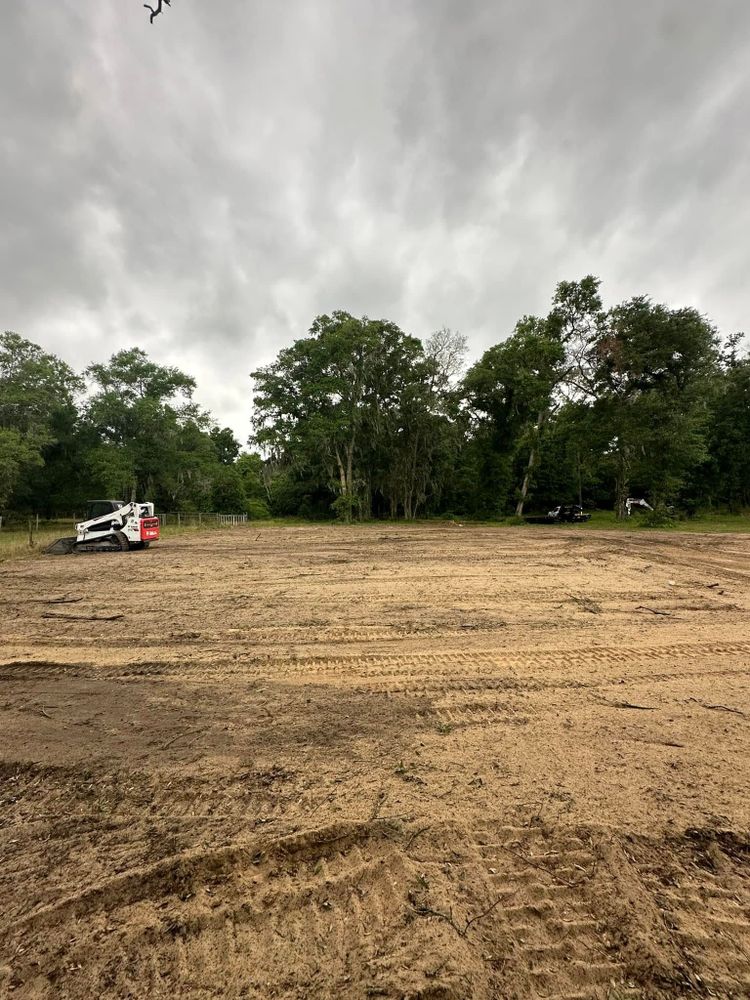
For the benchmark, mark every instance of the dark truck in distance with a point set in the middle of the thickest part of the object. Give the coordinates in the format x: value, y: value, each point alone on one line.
x: 566, y: 513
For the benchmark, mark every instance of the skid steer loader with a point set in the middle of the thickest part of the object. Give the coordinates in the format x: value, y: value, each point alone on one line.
x: 111, y: 526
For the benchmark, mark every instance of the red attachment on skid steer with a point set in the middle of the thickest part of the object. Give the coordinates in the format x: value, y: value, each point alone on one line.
x: 149, y: 529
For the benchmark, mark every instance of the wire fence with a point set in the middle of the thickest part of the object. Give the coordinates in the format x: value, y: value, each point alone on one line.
x: 200, y: 519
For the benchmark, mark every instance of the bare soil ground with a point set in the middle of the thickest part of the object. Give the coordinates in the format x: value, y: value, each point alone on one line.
x: 438, y: 762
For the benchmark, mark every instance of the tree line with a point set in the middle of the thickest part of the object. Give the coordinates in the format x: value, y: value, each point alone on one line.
x: 127, y: 429
x: 357, y: 419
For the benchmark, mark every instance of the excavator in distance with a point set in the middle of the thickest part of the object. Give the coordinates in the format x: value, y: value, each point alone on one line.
x: 111, y: 526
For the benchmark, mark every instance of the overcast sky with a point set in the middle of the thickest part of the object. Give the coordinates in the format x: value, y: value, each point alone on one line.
x: 203, y: 187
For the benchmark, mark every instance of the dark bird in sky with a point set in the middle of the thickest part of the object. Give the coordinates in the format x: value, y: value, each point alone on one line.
x: 157, y: 10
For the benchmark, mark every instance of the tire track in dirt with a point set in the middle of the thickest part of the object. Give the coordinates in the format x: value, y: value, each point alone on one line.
x: 729, y: 566
x: 139, y: 859
x: 702, y: 888
x: 265, y: 915
x: 176, y: 874
x: 671, y: 920
x: 471, y: 684
x: 392, y: 669
x: 561, y: 950
x: 255, y: 920
x: 522, y: 660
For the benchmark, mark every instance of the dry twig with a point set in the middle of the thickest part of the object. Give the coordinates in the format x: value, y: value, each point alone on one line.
x: 54, y: 600
x: 382, y: 796
x: 158, y: 9
x: 655, y: 611
x: 718, y: 708
x: 629, y: 704
x: 658, y: 743
x: 485, y: 913
x: 541, y: 868
x: 427, y: 911
x: 83, y: 618
x: 189, y: 732
x: 414, y: 836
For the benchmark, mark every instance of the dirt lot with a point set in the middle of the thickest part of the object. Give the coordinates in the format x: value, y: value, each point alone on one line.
x: 438, y: 762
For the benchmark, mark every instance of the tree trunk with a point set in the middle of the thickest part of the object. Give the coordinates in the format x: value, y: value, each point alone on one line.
x: 530, y: 465
x: 622, y: 482
x: 350, y: 464
x: 365, y: 507
x: 342, y: 482
x: 580, y: 477
x: 342, y: 473
x: 525, y: 483
x: 266, y: 480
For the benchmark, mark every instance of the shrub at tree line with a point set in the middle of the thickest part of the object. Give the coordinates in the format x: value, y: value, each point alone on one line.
x: 358, y: 419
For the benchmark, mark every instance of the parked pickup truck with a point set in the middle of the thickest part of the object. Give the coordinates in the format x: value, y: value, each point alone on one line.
x: 566, y: 513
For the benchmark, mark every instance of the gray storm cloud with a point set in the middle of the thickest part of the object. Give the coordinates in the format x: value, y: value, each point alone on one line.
x: 205, y: 185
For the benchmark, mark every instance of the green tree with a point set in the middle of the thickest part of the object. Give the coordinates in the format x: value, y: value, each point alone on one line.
x: 419, y: 433
x: 18, y: 455
x: 322, y: 404
x: 227, y: 446
x: 725, y: 477
x: 153, y: 440
x: 652, y: 367
x: 255, y: 476
x: 513, y: 387
x: 37, y: 408
x: 190, y: 468
x: 578, y: 315
x: 228, y: 496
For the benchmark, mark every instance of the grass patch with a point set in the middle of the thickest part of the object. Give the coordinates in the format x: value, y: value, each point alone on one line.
x: 14, y: 542
x: 640, y: 521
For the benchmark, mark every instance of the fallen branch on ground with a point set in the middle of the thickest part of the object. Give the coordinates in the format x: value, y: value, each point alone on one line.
x: 189, y: 732
x: 485, y: 913
x: 54, y: 600
x: 83, y: 618
x: 655, y: 611
x: 659, y: 743
x: 541, y: 868
x: 414, y: 836
x: 629, y: 704
x: 427, y: 911
x: 718, y: 708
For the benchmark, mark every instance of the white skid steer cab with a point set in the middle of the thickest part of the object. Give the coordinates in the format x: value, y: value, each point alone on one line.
x: 112, y: 526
